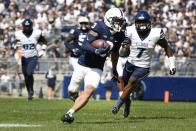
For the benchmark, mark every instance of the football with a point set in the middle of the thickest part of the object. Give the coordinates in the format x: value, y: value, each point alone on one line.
x: 97, y: 43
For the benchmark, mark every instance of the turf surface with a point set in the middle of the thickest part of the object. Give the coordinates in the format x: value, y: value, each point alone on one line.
x: 97, y: 116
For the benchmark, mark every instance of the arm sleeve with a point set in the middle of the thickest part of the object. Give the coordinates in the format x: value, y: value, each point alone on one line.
x: 87, y: 46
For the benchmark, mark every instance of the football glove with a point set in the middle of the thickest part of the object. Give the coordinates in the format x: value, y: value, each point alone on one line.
x: 126, y: 42
x: 115, y: 76
x: 102, y: 51
x: 76, y: 51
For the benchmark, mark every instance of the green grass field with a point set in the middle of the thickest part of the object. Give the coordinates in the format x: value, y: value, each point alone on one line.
x: 97, y: 116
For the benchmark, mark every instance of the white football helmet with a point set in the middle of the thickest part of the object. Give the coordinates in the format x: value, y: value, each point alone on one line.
x: 83, y: 23
x: 114, y: 19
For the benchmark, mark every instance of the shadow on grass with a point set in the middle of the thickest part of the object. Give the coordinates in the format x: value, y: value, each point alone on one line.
x: 109, y: 122
x: 157, y: 117
x: 130, y: 120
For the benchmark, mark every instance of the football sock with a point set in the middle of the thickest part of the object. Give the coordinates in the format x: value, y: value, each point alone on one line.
x: 120, y: 93
x: 71, y: 112
x: 119, y: 103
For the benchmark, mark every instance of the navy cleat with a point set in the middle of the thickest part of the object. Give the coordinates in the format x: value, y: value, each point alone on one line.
x: 30, y: 95
x: 67, y: 118
x: 127, y: 105
x: 115, y: 109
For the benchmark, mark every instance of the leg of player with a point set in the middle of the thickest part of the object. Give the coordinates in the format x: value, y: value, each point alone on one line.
x: 120, y: 86
x: 120, y: 66
x: 91, y: 77
x: 83, y: 99
x: 127, y: 102
x: 124, y: 96
x: 131, y: 74
x: 79, y: 103
x: 28, y: 65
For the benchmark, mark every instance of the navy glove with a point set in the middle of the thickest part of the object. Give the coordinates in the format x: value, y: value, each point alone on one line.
x: 126, y: 42
x: 172, y: 71
x: 115, y: 76
x: 102, y: 51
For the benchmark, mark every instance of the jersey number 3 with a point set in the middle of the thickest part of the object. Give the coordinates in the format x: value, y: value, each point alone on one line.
x: 141, y: 50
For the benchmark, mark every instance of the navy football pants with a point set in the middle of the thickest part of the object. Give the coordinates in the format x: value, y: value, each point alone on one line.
x: 28, y: 67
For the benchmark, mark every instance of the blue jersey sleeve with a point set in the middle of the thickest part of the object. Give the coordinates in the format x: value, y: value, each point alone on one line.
x: 86, y: 45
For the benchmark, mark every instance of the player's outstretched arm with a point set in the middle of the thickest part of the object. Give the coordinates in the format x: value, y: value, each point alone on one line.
x: 164, y: 44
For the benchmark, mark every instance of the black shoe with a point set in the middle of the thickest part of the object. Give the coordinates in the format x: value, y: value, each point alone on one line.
x: 67, y: 118
x: 115, y: 109
x: 127, y: 107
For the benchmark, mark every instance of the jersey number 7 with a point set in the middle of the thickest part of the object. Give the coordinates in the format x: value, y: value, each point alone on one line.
x: 141, y: 50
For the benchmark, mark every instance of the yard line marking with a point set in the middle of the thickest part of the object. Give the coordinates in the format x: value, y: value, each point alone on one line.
x: 19, y: 125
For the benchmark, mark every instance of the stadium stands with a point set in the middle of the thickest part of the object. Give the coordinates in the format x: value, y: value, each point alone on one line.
x: 54, y: 18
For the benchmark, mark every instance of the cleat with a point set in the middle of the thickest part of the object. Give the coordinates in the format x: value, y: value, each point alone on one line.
x: 115, y: 110
x: 30, y: 95
x: 127, y: 107
x: 30, y: 98
x: 67, y: 118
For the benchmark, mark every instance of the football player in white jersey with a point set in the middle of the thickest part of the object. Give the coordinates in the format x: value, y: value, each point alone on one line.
x: 27, y: 39
x: 141, y: 40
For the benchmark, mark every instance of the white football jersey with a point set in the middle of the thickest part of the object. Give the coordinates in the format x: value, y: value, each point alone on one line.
x: 141, y: 51
x: 28, y: 43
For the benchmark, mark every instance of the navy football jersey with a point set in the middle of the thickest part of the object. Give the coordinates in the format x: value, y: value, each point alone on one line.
x: 79, y: 39
x: 92, y: 60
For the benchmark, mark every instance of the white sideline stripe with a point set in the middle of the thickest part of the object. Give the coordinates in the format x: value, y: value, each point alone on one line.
x: 18, y: 125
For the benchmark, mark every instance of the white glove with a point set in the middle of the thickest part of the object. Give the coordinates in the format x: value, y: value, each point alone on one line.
x: 18, y: 44
x: 111, y: 44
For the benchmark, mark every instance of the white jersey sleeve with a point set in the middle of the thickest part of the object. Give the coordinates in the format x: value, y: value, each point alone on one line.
x: 28, y: 43
x: 141, y: 51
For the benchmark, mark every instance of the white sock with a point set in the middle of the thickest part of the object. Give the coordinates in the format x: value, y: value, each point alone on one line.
x: 71, y: 112
x: 120, y: 93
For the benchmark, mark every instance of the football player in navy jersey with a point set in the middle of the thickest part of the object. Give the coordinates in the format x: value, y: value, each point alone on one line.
x: 141, y: 40
x: 90, y: 63
x: 75, y: 39
x: 28, y: 39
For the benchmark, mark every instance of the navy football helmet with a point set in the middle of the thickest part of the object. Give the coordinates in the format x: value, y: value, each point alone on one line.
x: 27, y: 26
x: 143, y: 21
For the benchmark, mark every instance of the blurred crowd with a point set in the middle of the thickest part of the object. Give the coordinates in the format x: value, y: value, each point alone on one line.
x: 54, y: 18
